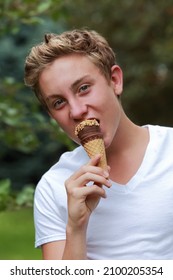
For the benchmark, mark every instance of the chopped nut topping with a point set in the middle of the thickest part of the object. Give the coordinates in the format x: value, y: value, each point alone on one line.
x: 81, y: 125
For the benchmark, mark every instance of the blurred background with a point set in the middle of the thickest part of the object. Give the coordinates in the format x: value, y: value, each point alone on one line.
x: 141, y: 34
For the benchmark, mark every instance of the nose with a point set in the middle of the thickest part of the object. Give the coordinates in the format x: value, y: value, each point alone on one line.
x: 77, y: 109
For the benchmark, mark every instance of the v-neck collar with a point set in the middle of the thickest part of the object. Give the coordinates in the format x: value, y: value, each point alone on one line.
x: 142, y: 170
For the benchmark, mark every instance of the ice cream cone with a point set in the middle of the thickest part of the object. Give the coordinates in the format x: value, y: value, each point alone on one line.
x: 94, y: 147
x: 91, y: 139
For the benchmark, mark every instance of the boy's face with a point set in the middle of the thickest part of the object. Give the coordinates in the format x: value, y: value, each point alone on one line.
x: 74, y: 90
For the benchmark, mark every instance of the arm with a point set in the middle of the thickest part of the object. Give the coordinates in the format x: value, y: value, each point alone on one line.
x: 82, y: 200
x: 53, y: 250
x: 74, y: 245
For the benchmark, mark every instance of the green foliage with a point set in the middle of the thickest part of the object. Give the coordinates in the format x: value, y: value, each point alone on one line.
x: 25, y: 196
x: 15, y: 200
x: 13, y: 13
x: 16, y: 129
x: 4, y: 193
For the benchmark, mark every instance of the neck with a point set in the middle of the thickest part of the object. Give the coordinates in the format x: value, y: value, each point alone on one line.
x: 129, y: 137
x: 127, y: 150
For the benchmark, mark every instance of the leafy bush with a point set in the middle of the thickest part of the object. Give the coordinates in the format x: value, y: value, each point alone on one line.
x: 4, y: 193
x: 25, y: 196
x: 11, y: 200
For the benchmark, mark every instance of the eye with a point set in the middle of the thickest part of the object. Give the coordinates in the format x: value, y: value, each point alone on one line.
x: 59, y: 103
x: 84, y: 88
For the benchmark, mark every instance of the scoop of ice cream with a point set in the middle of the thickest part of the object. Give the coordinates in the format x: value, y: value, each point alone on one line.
x: 88, y: 130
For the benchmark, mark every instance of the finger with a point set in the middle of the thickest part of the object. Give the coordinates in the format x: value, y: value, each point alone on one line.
x: 94, y: 161
x: 89, y: 169
x: 108, y: 168
x: 92, y: 190
x: 92, y: 177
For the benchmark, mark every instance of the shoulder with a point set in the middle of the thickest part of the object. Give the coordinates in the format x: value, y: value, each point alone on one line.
x: 161, y: 132
x: 161, y: 140
x: 68, y: 163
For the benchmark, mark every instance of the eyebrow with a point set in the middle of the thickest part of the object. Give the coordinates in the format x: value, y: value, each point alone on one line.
x: 78, y: 82
x: 52, y: 96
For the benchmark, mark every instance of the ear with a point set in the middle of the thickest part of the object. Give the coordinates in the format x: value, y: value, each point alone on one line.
x: 117, y: 79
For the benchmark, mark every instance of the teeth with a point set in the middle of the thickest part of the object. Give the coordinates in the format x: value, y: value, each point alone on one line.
x: 94, y: 119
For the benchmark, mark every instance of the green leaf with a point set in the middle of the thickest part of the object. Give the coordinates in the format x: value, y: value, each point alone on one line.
x: 25, y: 197
x: 43, y: 6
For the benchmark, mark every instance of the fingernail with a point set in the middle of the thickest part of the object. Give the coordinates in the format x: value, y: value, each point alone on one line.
x: 106, y: 174
x: 109, y: 183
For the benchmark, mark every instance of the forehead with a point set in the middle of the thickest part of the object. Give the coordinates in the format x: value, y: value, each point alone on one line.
x: 65, y: 70
x: 75, y: 61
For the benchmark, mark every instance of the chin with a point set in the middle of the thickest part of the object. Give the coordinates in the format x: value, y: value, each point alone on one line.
x: 108, y: 142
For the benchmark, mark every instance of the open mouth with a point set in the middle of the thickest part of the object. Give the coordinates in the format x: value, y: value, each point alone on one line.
x: 94, y: 119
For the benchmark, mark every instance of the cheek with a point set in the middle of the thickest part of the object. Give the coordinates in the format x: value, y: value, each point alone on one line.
x: 67, y: 126
x: 109, y: 103
x: 60, y: 119
x: 111, y: 121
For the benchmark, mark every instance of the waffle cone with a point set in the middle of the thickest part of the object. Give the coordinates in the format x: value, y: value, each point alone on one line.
x: 95, y: 147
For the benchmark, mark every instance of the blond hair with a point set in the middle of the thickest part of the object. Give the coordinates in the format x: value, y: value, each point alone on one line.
x: 84, y: 42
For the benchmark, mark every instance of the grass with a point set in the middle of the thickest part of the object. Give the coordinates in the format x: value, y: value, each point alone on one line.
x: 17, y: 236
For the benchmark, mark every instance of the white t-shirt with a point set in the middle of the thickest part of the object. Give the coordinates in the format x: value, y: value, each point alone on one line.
x: 135, y: 221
